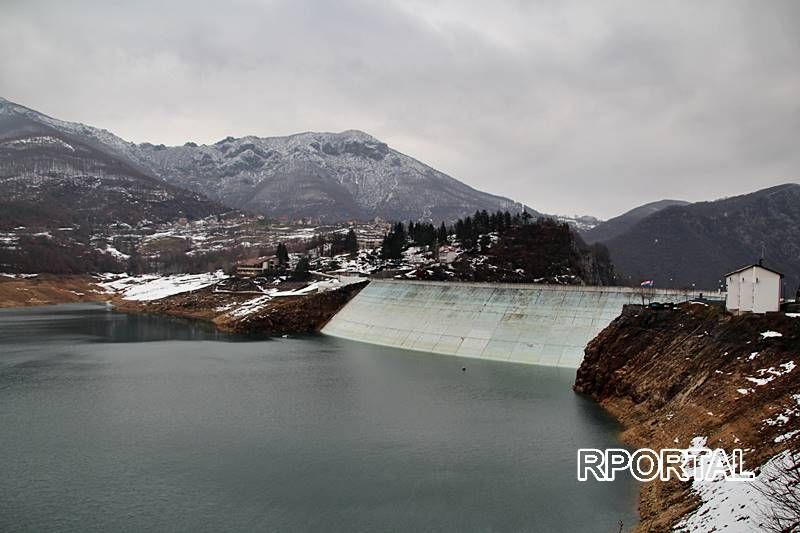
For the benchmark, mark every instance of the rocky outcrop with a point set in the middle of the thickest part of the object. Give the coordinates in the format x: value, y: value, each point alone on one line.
x: 669, y: 375
x: 295, y: 315
x: 542, y: 251
x: 250, y: 313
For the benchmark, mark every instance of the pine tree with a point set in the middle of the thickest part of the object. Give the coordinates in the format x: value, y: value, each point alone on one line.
x: 526, y: 217
x: 283, y: 254
x: 394, y: 243
x: 468, y: 230
x: 351, y: 242
x: 441, y: 237
x: 301, y: 270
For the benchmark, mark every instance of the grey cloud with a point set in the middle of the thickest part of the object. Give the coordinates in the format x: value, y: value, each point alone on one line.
x: 569, y: 107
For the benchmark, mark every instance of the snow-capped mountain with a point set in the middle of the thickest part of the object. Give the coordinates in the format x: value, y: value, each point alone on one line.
x: 330, y: 176
x: 55, y: 173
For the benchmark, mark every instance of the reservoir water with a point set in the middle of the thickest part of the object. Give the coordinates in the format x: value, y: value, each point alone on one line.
x: 115, y: 422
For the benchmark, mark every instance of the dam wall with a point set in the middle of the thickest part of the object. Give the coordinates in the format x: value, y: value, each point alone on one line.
x: 534, y: 324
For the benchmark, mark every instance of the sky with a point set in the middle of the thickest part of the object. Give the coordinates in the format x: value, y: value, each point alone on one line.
x: 570, y: 107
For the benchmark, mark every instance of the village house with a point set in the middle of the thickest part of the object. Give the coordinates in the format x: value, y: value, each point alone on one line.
x: 257, y: 267
x: 753, y: 289
x: 369, y: 241
x: 447, y: 255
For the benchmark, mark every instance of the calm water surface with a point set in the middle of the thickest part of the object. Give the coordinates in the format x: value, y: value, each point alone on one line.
x: 119, y: 422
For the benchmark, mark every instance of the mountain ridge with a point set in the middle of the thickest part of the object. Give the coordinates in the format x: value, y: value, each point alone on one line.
x: 343, y: 175
x: 55, y: 175
x: 324, y: 175
x: 698, y: 243
x: 619, y: 224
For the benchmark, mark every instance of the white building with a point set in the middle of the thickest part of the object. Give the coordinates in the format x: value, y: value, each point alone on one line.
x: 447, y: 255
x: 257, y: 267
x: 753, y: 289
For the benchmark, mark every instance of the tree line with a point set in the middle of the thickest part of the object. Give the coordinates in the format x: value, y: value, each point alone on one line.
x: 466, y: 230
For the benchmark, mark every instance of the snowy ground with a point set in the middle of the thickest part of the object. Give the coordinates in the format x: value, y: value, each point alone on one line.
x: 152, y: 286
x: 736, y: 506
x: 149, y: 287
x: 743, y: 506
x: 258, y: 303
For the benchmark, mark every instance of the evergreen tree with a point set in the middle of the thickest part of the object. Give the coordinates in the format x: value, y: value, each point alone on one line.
x: 484, y: 225
x: 441, y: 236
x: 283, y: 254
x: 496, y: 221
x: 351, y: 242
x: 301, y: 270
x: 394, y: 243
x: 526, y: 217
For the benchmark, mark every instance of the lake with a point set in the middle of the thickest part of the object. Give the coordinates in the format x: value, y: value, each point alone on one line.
x: 117, y: 422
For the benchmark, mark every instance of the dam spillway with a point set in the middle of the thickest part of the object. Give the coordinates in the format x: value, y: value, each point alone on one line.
x: 535, y: 324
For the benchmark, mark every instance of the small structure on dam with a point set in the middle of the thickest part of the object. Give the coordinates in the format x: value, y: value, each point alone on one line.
x: 535, y: 324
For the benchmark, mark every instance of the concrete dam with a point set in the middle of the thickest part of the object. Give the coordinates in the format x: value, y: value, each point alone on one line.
x: 534, y: 324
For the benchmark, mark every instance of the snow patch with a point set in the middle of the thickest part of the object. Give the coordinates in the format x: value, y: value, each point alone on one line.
x: 153, y: 287
x: 736, y: 506
x: 787, y: 436
x: 251, y: 306
x: 110, y: 250
x: 769, y: 374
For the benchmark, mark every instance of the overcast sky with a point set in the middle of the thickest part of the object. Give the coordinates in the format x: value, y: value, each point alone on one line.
x: 586, y: 107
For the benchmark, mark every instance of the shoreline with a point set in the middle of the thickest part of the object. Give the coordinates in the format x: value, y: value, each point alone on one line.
x: 49, y: 289
x: 227, y: 311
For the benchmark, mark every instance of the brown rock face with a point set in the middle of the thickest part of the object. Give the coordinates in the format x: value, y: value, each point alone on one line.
x: 286, y: 315
x: 671, y: 375
x: 296, y: 315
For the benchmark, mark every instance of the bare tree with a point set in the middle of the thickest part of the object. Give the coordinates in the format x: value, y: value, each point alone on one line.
x: 780, y: 486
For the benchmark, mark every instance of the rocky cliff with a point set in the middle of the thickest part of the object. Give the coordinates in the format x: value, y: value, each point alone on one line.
x: 671, y: 375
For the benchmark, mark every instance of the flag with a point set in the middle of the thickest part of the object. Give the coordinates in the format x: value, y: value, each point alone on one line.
x: 648, y: 283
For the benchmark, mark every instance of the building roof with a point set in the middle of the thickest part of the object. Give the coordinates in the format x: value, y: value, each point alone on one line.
x: 257, y: 261
x: 751, y: 266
